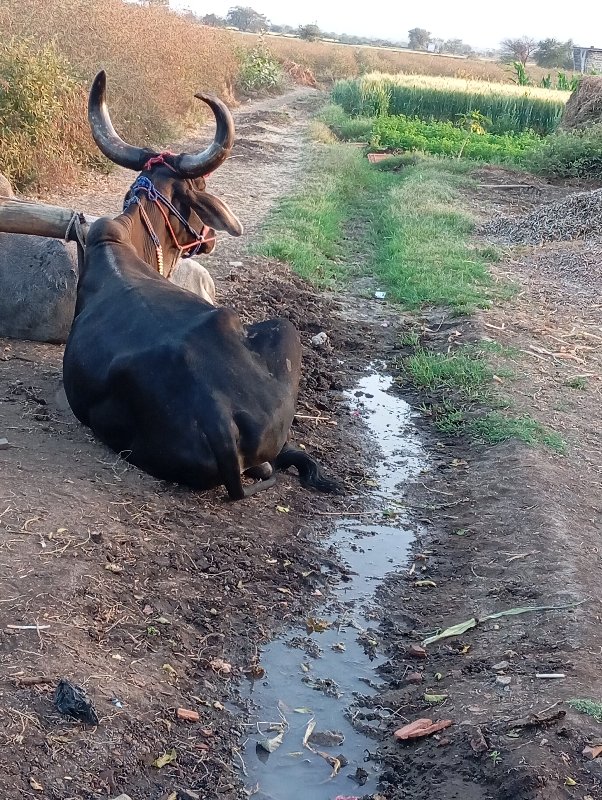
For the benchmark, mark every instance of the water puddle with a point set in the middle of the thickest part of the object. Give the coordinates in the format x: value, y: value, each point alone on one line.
x: 319, y: 673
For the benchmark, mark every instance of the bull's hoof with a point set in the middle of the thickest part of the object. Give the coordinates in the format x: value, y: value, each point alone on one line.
x: 261, y: 472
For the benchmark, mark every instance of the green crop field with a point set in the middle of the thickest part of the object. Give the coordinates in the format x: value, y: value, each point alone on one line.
x: 509, y: 108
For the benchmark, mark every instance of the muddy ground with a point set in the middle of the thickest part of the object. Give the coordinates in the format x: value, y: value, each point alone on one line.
x: 155, y: 598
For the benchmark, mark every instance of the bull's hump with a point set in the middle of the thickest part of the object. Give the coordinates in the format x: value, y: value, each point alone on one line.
x: 107, y: 229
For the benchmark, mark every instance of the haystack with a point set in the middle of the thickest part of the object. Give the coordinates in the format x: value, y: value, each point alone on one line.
x: 584, y: 106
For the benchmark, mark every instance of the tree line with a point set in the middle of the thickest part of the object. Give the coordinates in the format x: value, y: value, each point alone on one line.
x: 245, y: 18
x: 546, y: 52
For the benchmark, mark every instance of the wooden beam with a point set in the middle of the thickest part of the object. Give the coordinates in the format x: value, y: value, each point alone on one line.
x: 39, y: 219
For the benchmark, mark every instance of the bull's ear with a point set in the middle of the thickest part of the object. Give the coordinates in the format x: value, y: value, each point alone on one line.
x: 216, y: 214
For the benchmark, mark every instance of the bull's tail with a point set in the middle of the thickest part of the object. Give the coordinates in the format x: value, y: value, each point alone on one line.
x: 310, y: 473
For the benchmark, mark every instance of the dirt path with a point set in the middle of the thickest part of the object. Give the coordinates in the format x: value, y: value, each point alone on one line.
x: 155, y: 598
x: 149, y: 596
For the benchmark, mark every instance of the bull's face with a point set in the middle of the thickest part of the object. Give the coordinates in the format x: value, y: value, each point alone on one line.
x: 204, y: 212
x: 174, y: 182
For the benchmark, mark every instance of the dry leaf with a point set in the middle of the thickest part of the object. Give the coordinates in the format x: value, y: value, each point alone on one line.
x: 570, y: 782
x: 111, y: 567
x: 420, y: 728
x: 317, y: 625
x: 269, y: 745
x: 170, y: 670
x: 592, y: 752
x: 283, y: 509
x: 221, y: 666
x: 425, y: 583
x: 165, y: 759
x: 435, y: 698
x: 308, y: 732
x: 462, y: 627
x: 37, y: 787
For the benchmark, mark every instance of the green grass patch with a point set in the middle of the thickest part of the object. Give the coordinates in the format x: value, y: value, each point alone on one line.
x: 462, y: 383
x: 420, y: 243
x: 462, y: 372
x: 307, y: 229
x: 491, y: 346
x: 408, y: 226
x: 345, y: 127
x: 510, y: 108
x: 495, y: 427
x: 593, y: 708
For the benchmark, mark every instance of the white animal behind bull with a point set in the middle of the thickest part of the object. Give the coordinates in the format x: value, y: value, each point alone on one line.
x: 38, y: 284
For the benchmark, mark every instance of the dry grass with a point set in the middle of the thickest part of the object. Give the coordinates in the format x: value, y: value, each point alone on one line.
x: 155, y: 60
x: 331, y: 61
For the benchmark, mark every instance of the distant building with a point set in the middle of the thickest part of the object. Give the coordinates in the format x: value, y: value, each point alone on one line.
x: 587, y: 59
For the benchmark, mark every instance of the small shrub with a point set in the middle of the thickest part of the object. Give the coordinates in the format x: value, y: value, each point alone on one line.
x: 43, y: 125
x: 259, y: 70
x: 574, y: 154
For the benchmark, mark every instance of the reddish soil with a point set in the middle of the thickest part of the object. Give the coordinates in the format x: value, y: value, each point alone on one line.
x: 153, y: 597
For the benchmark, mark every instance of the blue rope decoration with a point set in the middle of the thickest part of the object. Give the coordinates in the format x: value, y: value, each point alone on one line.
x: 144, y: 184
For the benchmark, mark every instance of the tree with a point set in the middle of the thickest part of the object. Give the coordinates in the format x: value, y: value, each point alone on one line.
x: 454, y: 46
x: 247, y: 19
x: 418, y: 39
x: 552, y: 53
x: 518, y: 49
x: 310, y: 32
x: 213, y: 21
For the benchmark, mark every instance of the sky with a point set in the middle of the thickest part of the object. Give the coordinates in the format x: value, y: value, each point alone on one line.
x: 477, y: 22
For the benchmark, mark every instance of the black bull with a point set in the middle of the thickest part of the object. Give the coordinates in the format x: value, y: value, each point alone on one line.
x: 178, y: 387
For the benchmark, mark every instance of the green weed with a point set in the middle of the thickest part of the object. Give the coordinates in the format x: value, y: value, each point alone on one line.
x: 577, y: 383
x: 593, y: 708
x: 569, y: 154
x: 259, y: 70
x: 494, y: 428
x: 467, y: 374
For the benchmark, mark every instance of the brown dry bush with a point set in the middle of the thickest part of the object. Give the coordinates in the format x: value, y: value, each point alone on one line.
x: 43, y: 134
x: 155, y: 60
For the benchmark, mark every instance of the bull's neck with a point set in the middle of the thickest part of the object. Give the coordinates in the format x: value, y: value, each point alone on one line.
x: 142, y: 240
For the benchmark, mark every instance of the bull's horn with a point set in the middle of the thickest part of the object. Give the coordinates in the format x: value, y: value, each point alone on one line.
x: 194, y: 165
x: 105, y: 135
